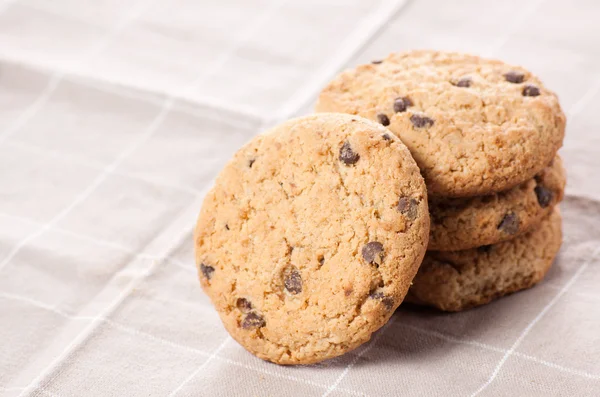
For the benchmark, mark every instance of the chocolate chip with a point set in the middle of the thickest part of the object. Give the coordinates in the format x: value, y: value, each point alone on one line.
x: 463, y: 82
x: 509, y: 224
x: 376, y: 62
x: 401, y: 104
x: 207, y: 271
x: 514, y: 77
x: 421, y: 121
x: 292, y: 280
x: 321, y: 260
x: 544, y: 195
x: 243, y: 305
x: 386, y: 137
x: 227, y: 226
x: 373, y: 253
x: 253, y: 320
x: 383, y: 119
x: 387, y: 301
x: 409, y: 207
x: 485, y: 248
x: 531, y: 90
x: 250, y: 162
x: 347, y: 155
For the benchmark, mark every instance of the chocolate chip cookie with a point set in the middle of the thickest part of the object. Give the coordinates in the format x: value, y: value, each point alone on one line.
x: 311, y: 237
x: 454, y: 281
x: 463, y: 223
x: 475, y: 126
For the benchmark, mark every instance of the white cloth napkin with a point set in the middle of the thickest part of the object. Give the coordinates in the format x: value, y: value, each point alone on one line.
x: 116, y: 115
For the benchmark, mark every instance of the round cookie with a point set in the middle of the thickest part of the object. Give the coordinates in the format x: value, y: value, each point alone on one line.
x: 311, y: 236
x: 474, y: 126
x: 463, y: 223
x: 454, y: 281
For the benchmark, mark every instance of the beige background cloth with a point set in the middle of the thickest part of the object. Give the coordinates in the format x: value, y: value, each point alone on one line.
x: 116, y: 115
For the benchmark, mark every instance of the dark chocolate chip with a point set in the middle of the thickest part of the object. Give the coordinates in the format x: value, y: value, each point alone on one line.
x: 347, y: 155
x: 386, y: 137
x: 464, y: 82
x: 514, y: 77
x: 421, y: 121
x: 207, y: 271
x: 376, y: 62
x: 509, y: 224
x: 227, y: 226
x: 544, y: 195
x: 383, y: 119
x: 485, y: 248
x: 243, y: 305
x: 401, y: 104
x: 373, y: 252
x: 253, y: 320
x: 531, y: 90
x: 250, y: 162
x: 409, y: 207
x: 292, y: 280
x: 387, y: 301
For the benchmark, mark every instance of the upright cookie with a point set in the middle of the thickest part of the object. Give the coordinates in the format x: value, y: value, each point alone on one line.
x: 311, y: 236
x: 475, y: 126
x: 454, y: 281
x: 463, y: 223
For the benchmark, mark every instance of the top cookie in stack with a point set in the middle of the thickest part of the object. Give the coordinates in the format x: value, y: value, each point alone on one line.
x: 484, y: 134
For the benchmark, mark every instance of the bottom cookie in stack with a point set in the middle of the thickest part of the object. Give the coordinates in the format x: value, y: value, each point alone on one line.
x: 458, y: 280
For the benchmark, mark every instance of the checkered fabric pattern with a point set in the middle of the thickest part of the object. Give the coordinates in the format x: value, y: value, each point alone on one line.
x: 116, y: 115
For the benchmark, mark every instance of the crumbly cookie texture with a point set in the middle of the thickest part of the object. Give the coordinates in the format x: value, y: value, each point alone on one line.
x: 475, y: 126
x: 311, y: 237
x: 454, y: 281
x: 463, y: 223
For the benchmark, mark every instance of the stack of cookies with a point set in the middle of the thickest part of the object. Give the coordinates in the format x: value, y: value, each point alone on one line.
x: 485, y: 136
x: 316, y: 231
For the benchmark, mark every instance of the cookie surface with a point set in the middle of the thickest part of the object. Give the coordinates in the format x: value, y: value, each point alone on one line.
x: 454, y: 281
x: 311, y: 236
x: 463, y: 223
x: 475, y: 126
